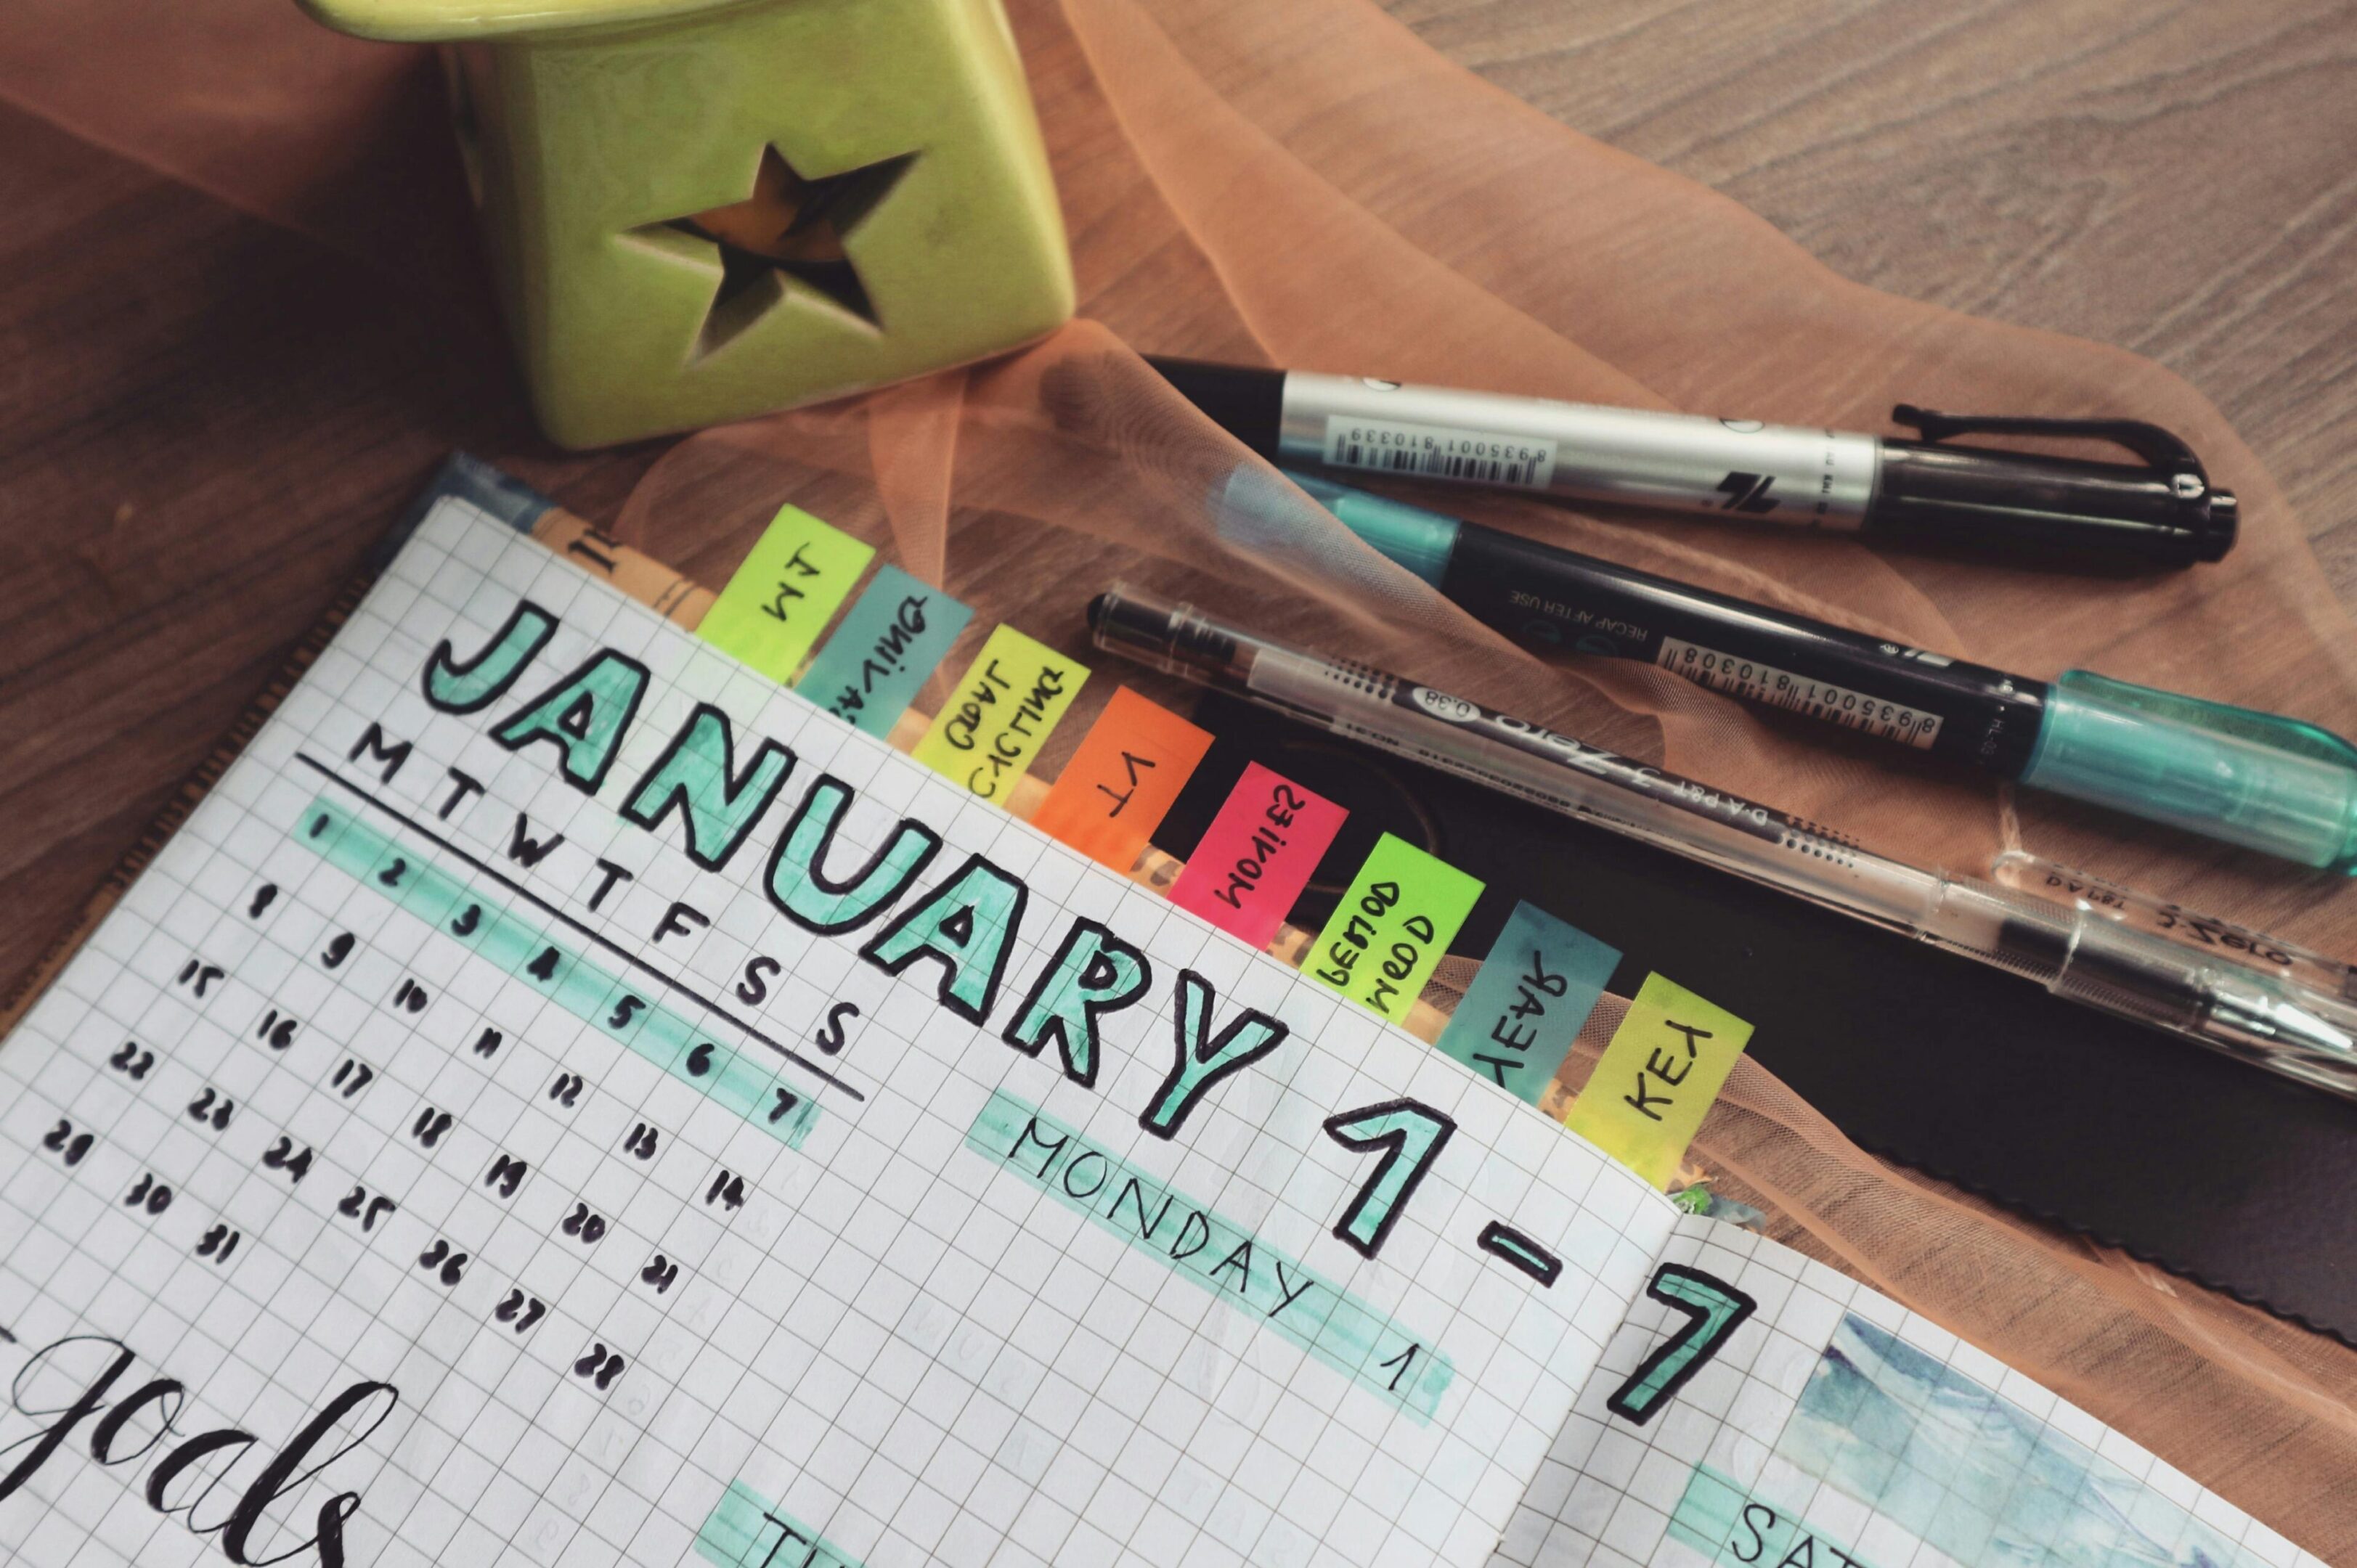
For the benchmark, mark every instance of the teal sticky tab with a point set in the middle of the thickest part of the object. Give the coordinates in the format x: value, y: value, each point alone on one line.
x: 869, y: 671
x: 1526, y: 1006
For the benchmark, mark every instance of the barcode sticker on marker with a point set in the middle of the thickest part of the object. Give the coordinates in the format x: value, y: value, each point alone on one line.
x: 1437, y: 452
x: 1758, y: 682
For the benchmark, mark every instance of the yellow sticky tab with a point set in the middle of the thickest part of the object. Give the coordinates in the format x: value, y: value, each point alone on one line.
x: 1658, y: 1076
x: 773, y: 609
x: 1000, y: 714
x: 1395, y: 921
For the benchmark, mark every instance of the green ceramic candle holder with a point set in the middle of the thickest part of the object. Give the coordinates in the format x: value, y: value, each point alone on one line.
x: 702, y: 209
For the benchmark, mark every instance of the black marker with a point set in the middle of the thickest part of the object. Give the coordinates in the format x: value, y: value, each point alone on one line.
x: 2252, y: 779
x: 2161, y: 511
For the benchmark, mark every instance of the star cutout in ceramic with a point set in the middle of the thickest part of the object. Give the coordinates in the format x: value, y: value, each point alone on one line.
x: 789, y: 231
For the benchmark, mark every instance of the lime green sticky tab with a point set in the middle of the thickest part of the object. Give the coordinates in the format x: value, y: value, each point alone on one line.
x: 1000, y: 714
x: 772, y: 612
x: 1395, y: 921
x: 1657, y: 1077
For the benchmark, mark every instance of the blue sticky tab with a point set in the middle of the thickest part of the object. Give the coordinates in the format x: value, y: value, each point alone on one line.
x: 1526, y: 1006
x: 869, y: 671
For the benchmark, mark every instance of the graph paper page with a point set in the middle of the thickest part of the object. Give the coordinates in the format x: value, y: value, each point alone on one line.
x: 1758, y: 1410
x: 562, y: 1098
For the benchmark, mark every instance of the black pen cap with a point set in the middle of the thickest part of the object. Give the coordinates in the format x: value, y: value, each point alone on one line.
x: 2162, y: 512
x: 1246, y: 401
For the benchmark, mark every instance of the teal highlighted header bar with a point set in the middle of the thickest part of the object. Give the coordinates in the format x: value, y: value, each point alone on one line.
x: 1215, y: 1254
x: 522, y: 946
x: 745, y: 1531
x: 1728, y: 1525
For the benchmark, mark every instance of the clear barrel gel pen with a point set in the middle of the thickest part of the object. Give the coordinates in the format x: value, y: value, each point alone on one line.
x: 2270, y: 1020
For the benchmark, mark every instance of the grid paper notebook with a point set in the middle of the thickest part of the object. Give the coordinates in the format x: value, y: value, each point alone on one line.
x: 561, y: 1099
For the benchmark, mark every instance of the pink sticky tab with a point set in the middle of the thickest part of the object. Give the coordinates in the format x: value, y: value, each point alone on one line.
x: 1257, y: 854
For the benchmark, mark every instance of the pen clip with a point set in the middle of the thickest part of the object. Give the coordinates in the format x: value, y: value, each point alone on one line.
x: 2159, y: 448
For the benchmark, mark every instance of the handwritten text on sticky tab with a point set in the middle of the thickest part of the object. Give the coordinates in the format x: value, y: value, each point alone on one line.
x: 800, y: 572
x: 1113, y: 794
x: 1000, y: 714
x: 1657, y: 1078
x: 1258, y: 855
x: 870, y: 670
x: 1526, y: 1006
x: 1393, y: 925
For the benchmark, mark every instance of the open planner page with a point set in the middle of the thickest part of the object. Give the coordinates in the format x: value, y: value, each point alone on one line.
x: 1758, y: 1410
x: 563, y: 1098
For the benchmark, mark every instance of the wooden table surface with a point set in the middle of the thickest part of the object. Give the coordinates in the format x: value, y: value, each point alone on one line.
x: 204, y: 419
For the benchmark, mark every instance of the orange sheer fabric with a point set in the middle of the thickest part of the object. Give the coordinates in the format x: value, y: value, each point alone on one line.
x: 1305, y: 183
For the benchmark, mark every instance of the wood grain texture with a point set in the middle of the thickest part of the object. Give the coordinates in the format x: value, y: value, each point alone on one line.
x: 2177, y: 178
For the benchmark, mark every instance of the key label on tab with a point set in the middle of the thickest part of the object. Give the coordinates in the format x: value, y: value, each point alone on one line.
x: 1524, y: 1008
x: 1393, y: 925
x: 1129, y: 769
x: 1258, y: 855
x: 872, y: 668
x: 1657, y: 1078
x: 773, y: 609
x: 1000, y: 714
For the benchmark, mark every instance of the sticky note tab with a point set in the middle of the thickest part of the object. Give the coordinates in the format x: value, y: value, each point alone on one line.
x: 869, y: 671
x: 772, y: 612
x: 1257, y: 854
x: 1657, y: 1077
x: 1003, y: 710
x: 1526, y: 1006
x: 1395, y: 922
x: 1130, y: 766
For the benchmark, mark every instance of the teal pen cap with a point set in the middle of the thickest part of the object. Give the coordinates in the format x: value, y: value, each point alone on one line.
x: 1420, y: 541
x: 2257, y: 779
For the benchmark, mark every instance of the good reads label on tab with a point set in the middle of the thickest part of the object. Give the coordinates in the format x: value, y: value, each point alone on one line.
x: 1130, y: 767
x: 1001, y: 713
x: 872, y: 668
x: 1657, y: 1078
x: 1258, y: 855
x: 1393, y: 923
x: 773, y: 609
x: 1524, y: 1008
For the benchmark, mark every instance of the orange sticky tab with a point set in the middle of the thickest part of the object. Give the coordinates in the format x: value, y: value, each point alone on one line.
x: 1129, y: 769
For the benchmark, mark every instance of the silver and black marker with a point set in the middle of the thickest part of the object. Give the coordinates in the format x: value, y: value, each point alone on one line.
x: 2162, y: 510
x: 2241, y: 1003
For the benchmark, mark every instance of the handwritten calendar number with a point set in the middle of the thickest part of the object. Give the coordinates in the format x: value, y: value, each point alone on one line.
x: 660, y: 1272
x: 624, y: 1009
x: 352, y: 1075
x: 728, y: 1189
x: 149, y: 1194
x: 1713, y: 1310
x: 262, y: 900
x: 358, y: 1204
x: 217, y: 1243
x: 463, y: 924
x: 699, y: 1060
x: 429, y: 1127
x: 507, y: 1174
x: 282, y: 1157
x: 211, y: 1106
x: 586, y: 1224
x: 276, y: 1031
x: 488, y: 1043
x: 412, y: 997
x: 68, y: 1144
x: 566, y: 1089
x: 198, y: 976
x: 520, y: 1311
x: 641, y: 1142
x: 132, y: 1061
x: 392, y: 875
x: 543, y: 968
x: 787, y: 1101
x: 444, y: 1262
x: 600, y: 1366
x: 332, y: 956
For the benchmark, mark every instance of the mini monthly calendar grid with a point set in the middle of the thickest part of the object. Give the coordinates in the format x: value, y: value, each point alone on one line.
x: 563, y: 1098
